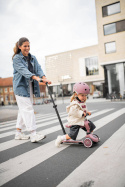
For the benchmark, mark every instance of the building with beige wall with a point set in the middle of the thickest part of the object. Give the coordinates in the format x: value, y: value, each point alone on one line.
x: 110, y: 16
x: 111, y: 41
x: 102, y: 66
x: 66, y: 68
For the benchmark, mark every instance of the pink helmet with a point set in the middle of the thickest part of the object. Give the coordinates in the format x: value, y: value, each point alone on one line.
x: 81, y: 87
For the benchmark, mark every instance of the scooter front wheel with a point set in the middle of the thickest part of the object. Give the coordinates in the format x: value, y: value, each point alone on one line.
x: 88, y: 142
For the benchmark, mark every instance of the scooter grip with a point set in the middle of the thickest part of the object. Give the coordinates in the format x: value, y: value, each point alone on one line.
x: 42, y: 81
x: 86, y: 114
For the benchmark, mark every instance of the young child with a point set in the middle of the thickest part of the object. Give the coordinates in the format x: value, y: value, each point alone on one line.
x: 77, y: 111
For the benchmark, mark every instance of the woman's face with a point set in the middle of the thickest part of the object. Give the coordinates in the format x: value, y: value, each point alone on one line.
x: 25, y: 47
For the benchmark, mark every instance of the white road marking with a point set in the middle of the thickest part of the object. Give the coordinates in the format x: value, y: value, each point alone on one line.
x: 104, y: 168
x: 24, y: 162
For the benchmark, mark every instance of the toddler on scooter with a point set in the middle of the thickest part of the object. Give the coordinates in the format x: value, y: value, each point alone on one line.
x: 77, y: 111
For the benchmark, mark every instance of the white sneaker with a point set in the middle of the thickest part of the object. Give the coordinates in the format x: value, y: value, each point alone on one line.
x: 58, y: 141
x: 37, y: 137
x: 21, y: 136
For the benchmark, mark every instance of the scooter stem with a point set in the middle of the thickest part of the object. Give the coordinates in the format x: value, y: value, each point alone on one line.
x: 55, y: 106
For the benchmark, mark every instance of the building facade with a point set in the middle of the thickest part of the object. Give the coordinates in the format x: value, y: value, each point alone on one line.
x: 6, y: 91
x: 7, y: 96
x: 111, y: 41
x: 64, y: 69
x: 102, y: 66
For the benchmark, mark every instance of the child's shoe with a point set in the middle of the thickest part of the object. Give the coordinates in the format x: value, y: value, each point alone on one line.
x: 37, y: 137
x: 58, y: 141
x: 21, y: 136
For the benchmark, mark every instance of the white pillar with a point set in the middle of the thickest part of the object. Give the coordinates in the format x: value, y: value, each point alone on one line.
x: 109, y: 81
x: 121, y: 78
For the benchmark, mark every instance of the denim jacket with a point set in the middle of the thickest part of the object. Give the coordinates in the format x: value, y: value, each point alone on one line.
x: 22, y: 76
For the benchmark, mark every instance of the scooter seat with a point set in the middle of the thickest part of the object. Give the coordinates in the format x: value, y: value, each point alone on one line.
x: 67, y: 126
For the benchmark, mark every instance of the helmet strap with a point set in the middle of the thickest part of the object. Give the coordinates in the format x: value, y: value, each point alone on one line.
x: 78, y: 99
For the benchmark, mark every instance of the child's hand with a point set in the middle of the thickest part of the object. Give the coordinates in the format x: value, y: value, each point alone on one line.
x: 89, y: 113
x: 84, y: 114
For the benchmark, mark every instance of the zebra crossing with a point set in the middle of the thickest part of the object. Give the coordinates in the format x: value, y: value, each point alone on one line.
x: 17, y: 162
x: 107, y: 162
x: 12, y: 143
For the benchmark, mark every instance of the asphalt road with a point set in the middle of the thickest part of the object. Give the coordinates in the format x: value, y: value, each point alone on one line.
x: 42, y: 164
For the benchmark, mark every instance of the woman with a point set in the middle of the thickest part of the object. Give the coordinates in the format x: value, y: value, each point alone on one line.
x: 26, y: 76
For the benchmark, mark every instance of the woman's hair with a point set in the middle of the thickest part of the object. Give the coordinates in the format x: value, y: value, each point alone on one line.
x: 73, y: 96
x: 19, y: 43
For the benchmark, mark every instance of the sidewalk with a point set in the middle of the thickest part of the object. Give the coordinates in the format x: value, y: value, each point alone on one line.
x: 8, y: 113
x: 89, y: 100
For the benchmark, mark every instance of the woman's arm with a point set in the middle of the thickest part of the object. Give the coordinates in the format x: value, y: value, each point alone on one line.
x: 19, y: 67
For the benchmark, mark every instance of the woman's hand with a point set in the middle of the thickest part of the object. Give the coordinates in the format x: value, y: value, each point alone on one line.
x: 36, y: 78
x: 89, y: 113
x: 46, y: 80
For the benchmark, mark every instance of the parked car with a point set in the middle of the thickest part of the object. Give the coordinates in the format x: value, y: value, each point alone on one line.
x: 96, y: 94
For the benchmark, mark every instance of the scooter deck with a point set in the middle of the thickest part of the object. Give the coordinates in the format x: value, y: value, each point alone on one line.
x: 70, y: 141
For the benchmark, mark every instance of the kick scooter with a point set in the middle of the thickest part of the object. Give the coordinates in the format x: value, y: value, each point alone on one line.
x: 89, y: 139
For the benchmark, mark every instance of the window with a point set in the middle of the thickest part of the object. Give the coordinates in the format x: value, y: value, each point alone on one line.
x: 6, y: 97
x: 114, y: 27
x: 1, y: 90
x: 11, y: 97
x: 109, y: 29
x: 11, y: 89
x: 5, y: 90
x: 110, y: 47
x: 120, y: 26
x: 111, y: 9
x: 91, y: 66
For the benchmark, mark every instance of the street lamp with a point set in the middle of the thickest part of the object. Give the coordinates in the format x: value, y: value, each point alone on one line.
x: 61, y: 87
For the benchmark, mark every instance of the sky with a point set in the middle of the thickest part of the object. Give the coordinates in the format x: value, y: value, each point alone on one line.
x: 52, y: 26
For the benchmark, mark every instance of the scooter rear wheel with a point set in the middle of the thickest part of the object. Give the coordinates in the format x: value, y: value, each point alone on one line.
x: 96, y: 136
x: 88, y: 142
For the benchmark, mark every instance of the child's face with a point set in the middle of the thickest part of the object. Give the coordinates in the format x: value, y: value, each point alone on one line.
x: 82, y: 97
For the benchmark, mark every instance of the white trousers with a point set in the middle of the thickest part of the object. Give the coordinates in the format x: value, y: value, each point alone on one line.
x: 26, y: 116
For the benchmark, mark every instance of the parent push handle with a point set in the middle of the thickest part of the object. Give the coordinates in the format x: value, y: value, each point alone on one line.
x: 55, y: 106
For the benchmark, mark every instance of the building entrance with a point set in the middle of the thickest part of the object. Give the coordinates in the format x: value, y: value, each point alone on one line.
x: 115, y: 79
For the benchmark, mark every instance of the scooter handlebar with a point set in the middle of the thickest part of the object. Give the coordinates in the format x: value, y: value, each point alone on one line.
x: 42, y: 81
x: 86, y: 114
